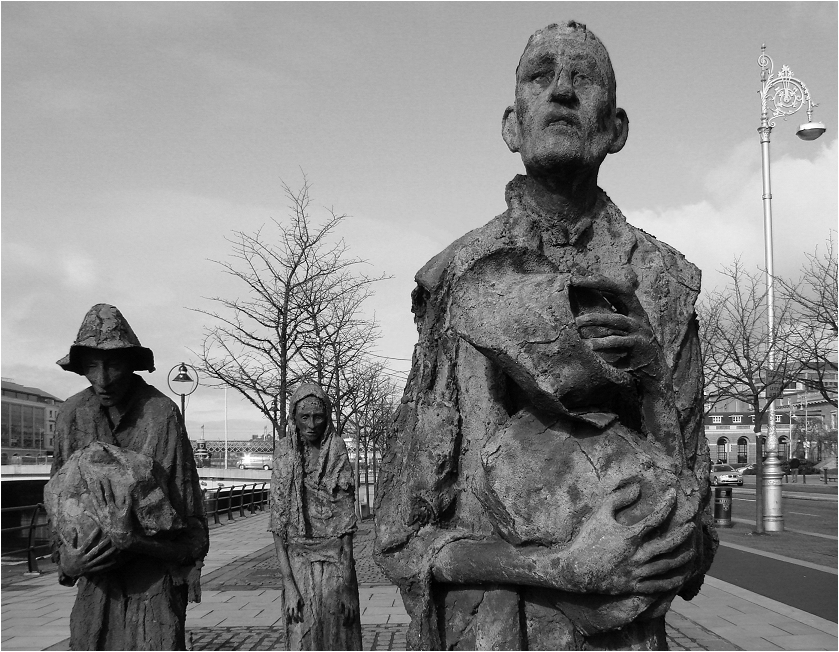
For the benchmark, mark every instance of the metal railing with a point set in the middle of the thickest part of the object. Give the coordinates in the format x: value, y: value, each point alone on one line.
x: 218, y: 501
x: 224, y: 500
x: 30, y: 549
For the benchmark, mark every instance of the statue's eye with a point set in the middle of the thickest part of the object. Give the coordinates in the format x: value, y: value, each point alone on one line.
x: 541, y: 77
x: 581, y: 79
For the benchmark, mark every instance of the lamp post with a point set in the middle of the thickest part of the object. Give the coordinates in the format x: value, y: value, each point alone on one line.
x: 781, y: 95
x: 187, y: 384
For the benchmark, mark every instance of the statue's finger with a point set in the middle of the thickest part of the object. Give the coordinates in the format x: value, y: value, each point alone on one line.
x: 666, y: 543
x: 610, y: 319
x: 612, y: 342
x: 624, y: 496
x: 665, y: 565
x: 659, y: 585
x: 658, y: 515
x: 600, y: 282
x: 91, y: 539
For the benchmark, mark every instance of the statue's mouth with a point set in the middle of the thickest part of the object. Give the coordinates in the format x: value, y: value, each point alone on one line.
x: 562, y: 119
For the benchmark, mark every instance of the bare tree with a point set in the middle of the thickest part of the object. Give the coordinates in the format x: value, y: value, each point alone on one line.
x: 302, y: 305
x: 714, y: 355
x: 368, y: 406
x: 736, y: 355
x: 814, y: 306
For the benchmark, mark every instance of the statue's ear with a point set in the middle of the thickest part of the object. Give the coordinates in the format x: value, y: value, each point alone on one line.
x: 510, y: 129
x: 621, y: 131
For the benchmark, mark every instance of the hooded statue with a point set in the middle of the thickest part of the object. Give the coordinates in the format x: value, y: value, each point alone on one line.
x: 313, y: 521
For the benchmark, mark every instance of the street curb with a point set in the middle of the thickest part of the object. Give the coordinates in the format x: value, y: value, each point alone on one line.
x: 788, y: 560
x: 794, y: 496
x: 816, y: 622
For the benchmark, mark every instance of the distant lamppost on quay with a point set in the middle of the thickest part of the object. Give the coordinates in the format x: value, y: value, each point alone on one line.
x: 185, y: 384
x: 781, y: 95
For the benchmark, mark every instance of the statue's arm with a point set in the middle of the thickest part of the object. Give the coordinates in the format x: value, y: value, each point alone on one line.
x: 605, y: 557
x: 293, y: 598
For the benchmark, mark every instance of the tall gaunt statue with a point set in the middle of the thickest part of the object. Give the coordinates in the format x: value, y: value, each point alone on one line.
x: 124, y: 501
x: 313, y: 521
x: 546, y: 483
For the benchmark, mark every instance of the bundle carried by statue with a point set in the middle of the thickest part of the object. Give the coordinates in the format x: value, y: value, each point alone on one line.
x: 112, y: 489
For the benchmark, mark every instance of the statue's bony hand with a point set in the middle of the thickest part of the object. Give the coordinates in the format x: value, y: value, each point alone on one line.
x: 611, y: 558
x: 621, y: 336
x: 293, y: 603
x: 95, y: 554
x: 349, y: 611
x: 115, y: 509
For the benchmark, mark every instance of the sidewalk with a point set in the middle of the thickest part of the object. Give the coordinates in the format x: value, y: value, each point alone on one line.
x: 240, y: 608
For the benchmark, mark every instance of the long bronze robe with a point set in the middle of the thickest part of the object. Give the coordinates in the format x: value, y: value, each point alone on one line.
x: 140, y: 605
x: 475, y: 454
x: 314, y: 514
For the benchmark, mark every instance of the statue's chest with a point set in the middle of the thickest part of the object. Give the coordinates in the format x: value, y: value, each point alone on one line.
x: 541, y: 482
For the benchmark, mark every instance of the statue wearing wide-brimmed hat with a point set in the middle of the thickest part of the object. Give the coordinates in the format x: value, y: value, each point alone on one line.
x: 124, y: 499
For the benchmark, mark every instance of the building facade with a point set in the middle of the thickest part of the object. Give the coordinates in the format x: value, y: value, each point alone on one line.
x: 27, y: 423
x: 804, y: 421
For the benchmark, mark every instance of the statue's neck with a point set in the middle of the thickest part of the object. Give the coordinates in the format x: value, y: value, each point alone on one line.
x: 557, y: 199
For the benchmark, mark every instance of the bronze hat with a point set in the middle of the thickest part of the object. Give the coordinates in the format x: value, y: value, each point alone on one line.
x: 105, y: 329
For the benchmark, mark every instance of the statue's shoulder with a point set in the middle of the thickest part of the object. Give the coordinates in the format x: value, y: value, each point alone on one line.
x: 153, y: 401
x: 461, y: 252
x: 82, y: 399
x: 654, y: 254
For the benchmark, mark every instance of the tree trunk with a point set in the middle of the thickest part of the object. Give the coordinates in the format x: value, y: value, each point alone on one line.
x: 356, y: 475
x: 758, y: 482
x: 367, y: 479
x: 375, y: 474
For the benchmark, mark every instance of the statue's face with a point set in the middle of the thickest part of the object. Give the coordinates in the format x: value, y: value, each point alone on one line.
x: 564, y: 117
x: 310, y: 419
x: 109, y: 373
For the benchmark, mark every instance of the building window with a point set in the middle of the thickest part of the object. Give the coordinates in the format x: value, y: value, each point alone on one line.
x: 742, y: 450
x: 722, y: 450
x: 777, y: 418
x: 716, y: 419
x: 737, y: 418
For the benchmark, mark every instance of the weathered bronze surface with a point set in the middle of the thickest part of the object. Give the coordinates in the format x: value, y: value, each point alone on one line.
x: 546, y: 483
x: 313, y: 520
x: 124, y: 500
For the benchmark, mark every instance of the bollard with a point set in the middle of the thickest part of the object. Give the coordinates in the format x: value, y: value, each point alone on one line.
x: 722, y: 507
x: 825, y: 475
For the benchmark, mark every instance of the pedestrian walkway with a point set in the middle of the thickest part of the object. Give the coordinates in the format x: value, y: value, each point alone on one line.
x: 240, y: 606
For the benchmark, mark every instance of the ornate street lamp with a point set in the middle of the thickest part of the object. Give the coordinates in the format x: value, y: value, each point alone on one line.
x: 186, y: 383
x: 781, y: 95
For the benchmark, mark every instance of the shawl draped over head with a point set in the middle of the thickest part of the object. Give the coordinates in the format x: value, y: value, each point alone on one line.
x: 335, y: 488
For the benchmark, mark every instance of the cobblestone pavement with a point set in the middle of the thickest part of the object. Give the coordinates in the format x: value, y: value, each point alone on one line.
x: 373, y: 637
x: 684, y: 634
x: 240, y: 609
x: 258, y: 571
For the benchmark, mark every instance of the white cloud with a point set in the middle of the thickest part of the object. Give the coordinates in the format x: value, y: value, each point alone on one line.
x: 729, y: 223
x: 79, y: 272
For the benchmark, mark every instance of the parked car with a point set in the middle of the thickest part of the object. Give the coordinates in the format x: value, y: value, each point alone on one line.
x: 257, y: 461
x: 724, y: 474
x: 746, y: 469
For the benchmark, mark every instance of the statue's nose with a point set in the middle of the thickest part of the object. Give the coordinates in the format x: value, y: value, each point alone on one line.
x: 562, y: 88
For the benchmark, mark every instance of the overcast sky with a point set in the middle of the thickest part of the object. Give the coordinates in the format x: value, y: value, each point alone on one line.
x: 137, y: 136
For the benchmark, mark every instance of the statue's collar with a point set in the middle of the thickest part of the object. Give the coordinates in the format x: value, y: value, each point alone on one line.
x: 523, y: 206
